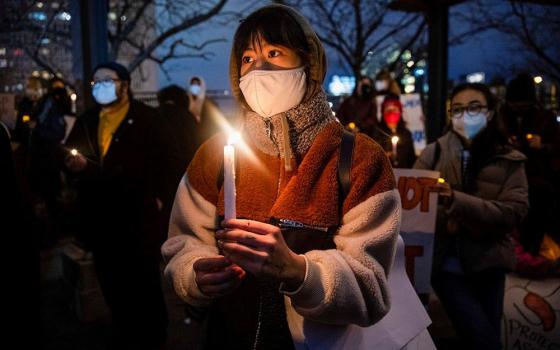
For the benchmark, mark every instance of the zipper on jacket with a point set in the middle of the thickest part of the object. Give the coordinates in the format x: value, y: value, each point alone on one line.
x: 286, y: 223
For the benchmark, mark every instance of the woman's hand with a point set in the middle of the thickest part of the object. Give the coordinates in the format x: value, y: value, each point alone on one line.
x: 260, y: 249
x: 217, y: 276
x: 444, y: 191
x: 76, y: 163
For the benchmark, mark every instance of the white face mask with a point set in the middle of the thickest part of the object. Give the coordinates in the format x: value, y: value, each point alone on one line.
x: 469, y: 126
x: 195, y: 89
x: 381, y: 85
x: 269, y: 92
x: 104, y: 92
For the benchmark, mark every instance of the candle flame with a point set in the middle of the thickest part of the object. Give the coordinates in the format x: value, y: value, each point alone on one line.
x: 441, y: 180
x: 25, y: 118
x: 74, y: 152
x: 234, y: 138
x: 529, y: 136
x: 395, y: 140
x: 352, y: 125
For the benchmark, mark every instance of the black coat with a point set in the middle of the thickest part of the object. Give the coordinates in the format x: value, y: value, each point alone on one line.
x: 117, y: 195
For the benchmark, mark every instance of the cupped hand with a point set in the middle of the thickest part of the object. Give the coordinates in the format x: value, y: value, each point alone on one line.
x: 260, y: 248
x: 76, y: 163
x: 217, y: 276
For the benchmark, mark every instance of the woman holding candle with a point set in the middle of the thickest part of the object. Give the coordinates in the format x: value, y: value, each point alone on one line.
x: 303, y: 253
x: 483, y: 199
x: 391, y: 133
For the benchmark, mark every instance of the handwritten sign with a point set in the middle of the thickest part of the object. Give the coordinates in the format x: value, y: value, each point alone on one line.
x: 531, y: 318
x: 418, y: 223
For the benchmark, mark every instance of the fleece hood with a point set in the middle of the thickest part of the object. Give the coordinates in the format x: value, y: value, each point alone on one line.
x: 315, y: 71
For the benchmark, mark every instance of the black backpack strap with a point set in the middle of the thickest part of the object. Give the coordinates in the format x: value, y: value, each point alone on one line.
x: 437, y: 153
x: 345, y: 165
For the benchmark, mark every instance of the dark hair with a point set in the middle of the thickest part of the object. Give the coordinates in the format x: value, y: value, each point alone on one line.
x: 521, y: 89
x: 174, y: 94
x: 489, y: 142
x: 276, y: 27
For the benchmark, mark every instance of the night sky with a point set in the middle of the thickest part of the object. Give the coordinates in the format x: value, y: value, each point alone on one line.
x: 484, y: 52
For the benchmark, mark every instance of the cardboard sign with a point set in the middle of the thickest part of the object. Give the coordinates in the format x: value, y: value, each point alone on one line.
x: 419, y: 210
x: 531, y: 318
x: 413, y: 116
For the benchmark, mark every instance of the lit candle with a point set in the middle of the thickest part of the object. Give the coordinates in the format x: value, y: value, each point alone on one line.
x: 73, y: 98
x: 394, y: 141
x: 441, y: 180
x: 229, y: 178
x: 529, y: 136
x: 74, y: 152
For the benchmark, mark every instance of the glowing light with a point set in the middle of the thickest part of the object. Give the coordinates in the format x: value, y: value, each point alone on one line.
x: 441, y: 180
x: 394, y: 140
x: 409, y: 88
x: 74, y: 152
x: 529, y: 136
x: 234, y: 138
x: 352, y: 125
x: 73, y: 97
x: 538, y: 79
x: 26, y: 118
x: 410, y: 64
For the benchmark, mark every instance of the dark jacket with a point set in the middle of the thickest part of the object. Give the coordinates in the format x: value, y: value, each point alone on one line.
x: 482, y: 221
x: 117, y: 195
x: 405, y: 147
x: 361, y: 111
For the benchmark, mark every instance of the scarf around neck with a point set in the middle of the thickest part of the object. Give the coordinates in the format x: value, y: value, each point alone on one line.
x: 304, y: 122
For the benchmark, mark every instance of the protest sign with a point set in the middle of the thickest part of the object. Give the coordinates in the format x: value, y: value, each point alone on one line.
x: 531, y: 318
x: 419, y: 210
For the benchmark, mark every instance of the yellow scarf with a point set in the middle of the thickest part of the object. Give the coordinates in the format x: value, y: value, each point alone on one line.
x: 108, y: 124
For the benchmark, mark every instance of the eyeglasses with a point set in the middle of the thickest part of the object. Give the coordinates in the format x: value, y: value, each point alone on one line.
x: 105, y: 82
x: 473, y: 109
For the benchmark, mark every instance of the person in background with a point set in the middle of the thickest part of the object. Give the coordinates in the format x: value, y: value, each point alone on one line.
x: 118, y: 152
x: 535, y: 131
x: 483, y: 198
x: 385, y: 84
x: 392, y: 125
x: 35, y: 89
x: 44, y: 171
x: 358, y: 111
x: 204, y: 111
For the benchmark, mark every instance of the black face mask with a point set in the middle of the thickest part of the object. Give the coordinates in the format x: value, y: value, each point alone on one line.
x: 366, y: 91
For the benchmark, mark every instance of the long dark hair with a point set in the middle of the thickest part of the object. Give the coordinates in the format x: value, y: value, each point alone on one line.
x: 490, y: 142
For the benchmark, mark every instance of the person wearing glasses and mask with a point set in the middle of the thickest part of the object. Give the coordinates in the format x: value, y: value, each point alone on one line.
x: 305, y: 259
x: 483, y: 199
x: 116, y: 152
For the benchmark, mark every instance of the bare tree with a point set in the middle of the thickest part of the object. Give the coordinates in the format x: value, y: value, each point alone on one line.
x: 533, y: 29
x: 139, y: 30
x: 356, y: 29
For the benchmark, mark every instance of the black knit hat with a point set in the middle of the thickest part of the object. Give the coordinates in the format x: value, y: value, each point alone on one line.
x: 521, y: 88
x: 121, y: 71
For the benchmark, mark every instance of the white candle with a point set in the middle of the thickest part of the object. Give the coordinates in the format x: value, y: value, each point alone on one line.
x: 394, y: 141
x: 229, y: 181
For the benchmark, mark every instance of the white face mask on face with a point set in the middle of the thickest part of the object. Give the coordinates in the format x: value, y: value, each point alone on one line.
x: 381, y: 85
x: 269, y: 92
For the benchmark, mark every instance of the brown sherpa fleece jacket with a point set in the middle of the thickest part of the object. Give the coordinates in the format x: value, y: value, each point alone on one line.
x: 341, y: 286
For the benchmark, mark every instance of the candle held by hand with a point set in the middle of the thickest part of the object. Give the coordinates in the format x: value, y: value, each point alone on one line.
x: 229, y: 178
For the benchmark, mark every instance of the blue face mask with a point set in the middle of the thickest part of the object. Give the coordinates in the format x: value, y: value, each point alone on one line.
x: 195, y: 89
x: 469, y: 126
x: 104, y: 92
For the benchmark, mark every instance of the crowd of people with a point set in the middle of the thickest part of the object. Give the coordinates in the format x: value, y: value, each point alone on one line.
x: 317, y: 206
